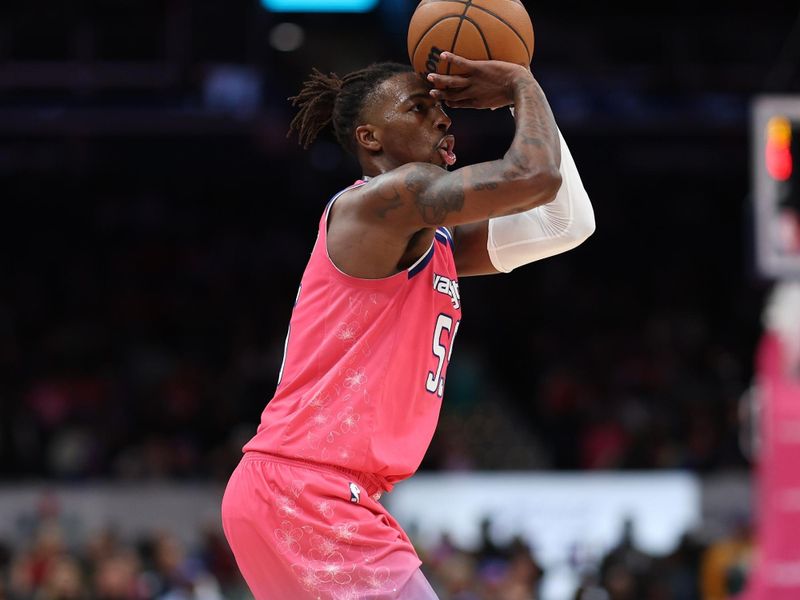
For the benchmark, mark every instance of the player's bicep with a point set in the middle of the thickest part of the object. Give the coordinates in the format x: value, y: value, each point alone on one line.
x: 420, y: 195
x: 470, y: 250
x: 475, y: 193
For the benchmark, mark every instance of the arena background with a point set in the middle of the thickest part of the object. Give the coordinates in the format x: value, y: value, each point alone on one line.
x: 155, y: 223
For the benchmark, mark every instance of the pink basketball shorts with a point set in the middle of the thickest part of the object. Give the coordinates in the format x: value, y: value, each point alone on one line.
x: 306, y: 531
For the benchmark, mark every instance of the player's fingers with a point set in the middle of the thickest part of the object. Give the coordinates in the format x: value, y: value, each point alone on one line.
x: 464, y: 64
x: 465, y: 103
x: 450, y: 96
x: 453, y: 95
x: 447, y: 82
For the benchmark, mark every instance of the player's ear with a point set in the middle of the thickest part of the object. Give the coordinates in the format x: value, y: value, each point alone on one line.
x: 368, y: 137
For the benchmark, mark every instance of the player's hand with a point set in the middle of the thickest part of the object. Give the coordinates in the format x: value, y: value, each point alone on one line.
x: 482, y: 84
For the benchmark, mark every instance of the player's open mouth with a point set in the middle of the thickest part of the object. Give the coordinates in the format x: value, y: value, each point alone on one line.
x: 445, y: 149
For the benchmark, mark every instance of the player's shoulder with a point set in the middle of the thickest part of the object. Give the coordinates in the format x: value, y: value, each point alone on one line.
x: 393, y: 199
x: 410, y: 177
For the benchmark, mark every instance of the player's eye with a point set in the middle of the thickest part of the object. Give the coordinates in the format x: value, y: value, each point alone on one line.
x: 419, y: 107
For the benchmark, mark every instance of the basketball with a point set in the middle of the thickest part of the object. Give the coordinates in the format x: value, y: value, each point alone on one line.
x: 474, y: 29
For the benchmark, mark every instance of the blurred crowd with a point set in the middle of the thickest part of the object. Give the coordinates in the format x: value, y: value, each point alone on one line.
x: 58, y: 560
x: 715, y: 569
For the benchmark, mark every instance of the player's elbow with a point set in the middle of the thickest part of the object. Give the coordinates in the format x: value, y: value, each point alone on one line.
x: 572, y: 228
x: 542, y: 185
x: 575, y: 233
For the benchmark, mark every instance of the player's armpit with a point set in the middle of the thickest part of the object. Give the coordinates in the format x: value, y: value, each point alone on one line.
x: 470, y: 250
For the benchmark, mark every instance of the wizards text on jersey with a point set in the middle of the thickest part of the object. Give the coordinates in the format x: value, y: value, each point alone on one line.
x: 449, y: 287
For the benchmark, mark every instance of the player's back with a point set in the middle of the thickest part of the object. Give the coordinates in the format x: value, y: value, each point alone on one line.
x: 365, y: 364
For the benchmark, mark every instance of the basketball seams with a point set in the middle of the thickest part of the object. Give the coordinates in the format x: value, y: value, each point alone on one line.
x: 467, y: 4
x: 477, y: 27
x: 501, y: 19
x: 431, y: 28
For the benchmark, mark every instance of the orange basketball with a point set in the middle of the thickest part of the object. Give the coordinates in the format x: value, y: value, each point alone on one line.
x: 474, y: 29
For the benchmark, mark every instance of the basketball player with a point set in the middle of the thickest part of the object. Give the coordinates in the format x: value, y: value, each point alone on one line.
x: 376, y: 315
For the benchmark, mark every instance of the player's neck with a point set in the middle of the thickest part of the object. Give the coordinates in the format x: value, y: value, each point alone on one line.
x: 377, y: 164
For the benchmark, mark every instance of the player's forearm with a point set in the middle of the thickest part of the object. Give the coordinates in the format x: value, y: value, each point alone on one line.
x: 547, y: 230
x: 535, y: 150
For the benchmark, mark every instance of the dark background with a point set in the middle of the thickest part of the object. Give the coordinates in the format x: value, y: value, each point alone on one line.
x: 153, y: 234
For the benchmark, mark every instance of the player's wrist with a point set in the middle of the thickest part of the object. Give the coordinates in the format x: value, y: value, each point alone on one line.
x: 518, y: 86
x: 521, y: 80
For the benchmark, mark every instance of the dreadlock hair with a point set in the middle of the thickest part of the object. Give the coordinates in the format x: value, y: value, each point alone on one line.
x: 326, y: 99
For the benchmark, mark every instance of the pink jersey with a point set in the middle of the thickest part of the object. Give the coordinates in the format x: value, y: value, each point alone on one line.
x: 365, y: 365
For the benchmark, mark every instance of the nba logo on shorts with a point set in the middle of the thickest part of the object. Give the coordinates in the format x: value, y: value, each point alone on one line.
x: 355, y: 493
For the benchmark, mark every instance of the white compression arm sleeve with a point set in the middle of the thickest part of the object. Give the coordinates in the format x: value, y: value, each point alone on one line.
x: 546, y: 230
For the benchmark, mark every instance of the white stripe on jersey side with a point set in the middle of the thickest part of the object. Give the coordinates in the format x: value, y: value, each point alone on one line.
x: 336, y: 197
x: 423, y: 257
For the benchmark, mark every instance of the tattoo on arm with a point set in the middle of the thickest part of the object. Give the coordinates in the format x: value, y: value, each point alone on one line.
x: 517, y: 166
x: 485, y: 176
x: 435, y: 206
x: 538, y: 128
x: 531, y: 141
x: 390, y: 200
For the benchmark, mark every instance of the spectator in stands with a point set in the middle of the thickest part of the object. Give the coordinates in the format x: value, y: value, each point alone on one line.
x: 625, y: 569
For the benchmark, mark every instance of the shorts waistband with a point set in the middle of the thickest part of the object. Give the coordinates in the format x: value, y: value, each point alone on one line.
x: 374, y: 485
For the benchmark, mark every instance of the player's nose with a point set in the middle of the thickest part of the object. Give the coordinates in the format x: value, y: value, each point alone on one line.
x: 443, y: 122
